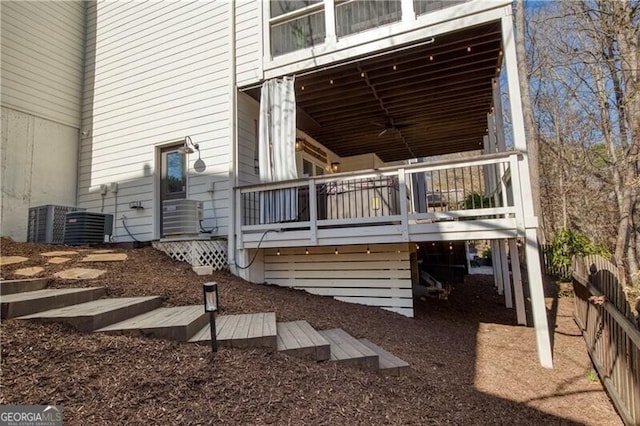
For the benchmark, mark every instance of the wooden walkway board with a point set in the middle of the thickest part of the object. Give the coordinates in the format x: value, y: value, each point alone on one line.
x: 242, y: 331
x: 92, y: 315
x: 389, y: 363
x: 20, y: 286
x: 177, y: 323
x: 298, y: 338
x: 19, y: 304
x: 347, y: 350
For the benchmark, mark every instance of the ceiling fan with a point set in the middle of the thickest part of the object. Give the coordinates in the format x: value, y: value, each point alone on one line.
x: 389, y: 126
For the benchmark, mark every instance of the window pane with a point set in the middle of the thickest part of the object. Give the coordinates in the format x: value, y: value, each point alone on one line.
x: 281, y: 7
x: 307, y: 168
x: 176, y: 175
x: 425, y: 6
x: 298, y: 34
x: 360, y: 15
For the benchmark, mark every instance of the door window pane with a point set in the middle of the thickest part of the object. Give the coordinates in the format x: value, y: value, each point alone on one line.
x: 176, y: 172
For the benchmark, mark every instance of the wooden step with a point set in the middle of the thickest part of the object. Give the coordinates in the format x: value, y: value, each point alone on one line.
x: 242, y: 331
x: 347, y: 350
x: 21, y: 286
x: 177, y: 323
x: 298, y: 338
x: 19, y: 304
x: 389, y: 363
x: 92, y: 315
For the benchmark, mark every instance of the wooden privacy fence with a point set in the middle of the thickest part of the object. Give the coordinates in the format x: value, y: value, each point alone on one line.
x: 607, y: 324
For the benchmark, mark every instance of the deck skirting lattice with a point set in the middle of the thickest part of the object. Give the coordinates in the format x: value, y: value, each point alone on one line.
x: 196, y: 252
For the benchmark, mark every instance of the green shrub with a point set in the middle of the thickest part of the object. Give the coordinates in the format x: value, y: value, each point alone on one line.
x: 476, y: 200
x: 567, y: 244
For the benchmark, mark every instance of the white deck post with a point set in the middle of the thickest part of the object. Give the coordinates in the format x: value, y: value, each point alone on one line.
x: 313, y: 212
x: 517, y: 282
x: 329, y: 21
x: 536, y: 289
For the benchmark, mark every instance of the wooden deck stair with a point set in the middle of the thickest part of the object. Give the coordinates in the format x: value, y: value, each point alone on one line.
x: 388, y: 362
x: 347, y: 350
x: 20, y: 286
x: 241, y: 331
x: 177, y: 323
x: 92, y: 315
x: 29, y: 302
x: 86, y: 310
x: 298, y: 338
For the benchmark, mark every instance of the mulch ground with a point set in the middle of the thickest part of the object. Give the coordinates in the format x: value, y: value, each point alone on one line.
x: 470, y: 363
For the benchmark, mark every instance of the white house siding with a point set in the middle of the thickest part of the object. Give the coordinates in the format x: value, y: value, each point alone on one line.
x: 42, y: 46
x: 380, y: 278
x: 248, y: 41
x: 155, y: 73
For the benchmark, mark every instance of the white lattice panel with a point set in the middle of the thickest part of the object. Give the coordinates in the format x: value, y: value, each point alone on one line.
x: 196, y: 252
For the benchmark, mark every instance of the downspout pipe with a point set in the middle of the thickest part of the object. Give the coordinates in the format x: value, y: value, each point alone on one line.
x: 233, y: 172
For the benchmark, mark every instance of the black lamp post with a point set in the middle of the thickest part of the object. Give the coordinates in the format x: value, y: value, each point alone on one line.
x: 211, y: 305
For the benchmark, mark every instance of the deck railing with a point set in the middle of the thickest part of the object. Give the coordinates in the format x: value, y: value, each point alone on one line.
x: 607, y: 324
x: 453, y: 190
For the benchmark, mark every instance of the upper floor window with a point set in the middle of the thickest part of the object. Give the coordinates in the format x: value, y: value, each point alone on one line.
x: 359, y: 15
x: 296, y: 25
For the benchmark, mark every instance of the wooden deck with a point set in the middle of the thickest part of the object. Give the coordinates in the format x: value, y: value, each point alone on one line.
x: 19, y: 304
x: 92, y: 315
x: 242, y: 331
x: 389, y: 363
x: 177, y: 323
x: 347, y: 350
x: 21, y: 286
x: 298, y: 338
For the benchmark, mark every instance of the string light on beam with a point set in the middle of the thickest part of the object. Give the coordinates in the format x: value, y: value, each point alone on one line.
x: 336, y: 252
x: 395, y: 67
x: 468, y: 48
x: 302, y: 88
x: 431, y: 58
x: 331, y: 81
x: 362, y: 74
x: 278, y: 252
x: 306, y: 251
x: 368, y: 250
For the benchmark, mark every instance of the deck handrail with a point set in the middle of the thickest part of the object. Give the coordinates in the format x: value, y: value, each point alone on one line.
x: 477, y: 160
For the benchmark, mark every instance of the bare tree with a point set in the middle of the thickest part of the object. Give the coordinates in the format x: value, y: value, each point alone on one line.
x: 588, y: 108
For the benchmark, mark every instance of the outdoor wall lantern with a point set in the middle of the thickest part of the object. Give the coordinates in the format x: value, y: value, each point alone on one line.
x: 335, y: 167
x: 210, y: 291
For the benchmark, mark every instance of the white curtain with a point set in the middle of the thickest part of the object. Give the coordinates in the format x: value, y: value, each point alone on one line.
x: 277, y: 155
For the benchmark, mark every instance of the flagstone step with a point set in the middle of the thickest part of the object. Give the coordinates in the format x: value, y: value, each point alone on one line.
x: 242, y: 331
x: 177, y: 323
x: 19, y: 304
x: 388, y: 362
x: 347, y: 350
x: 21, y: 286
x: 299, y: 339
x: 92, y: 315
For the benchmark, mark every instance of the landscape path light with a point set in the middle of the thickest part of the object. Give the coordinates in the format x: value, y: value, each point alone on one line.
x: 210, y: 291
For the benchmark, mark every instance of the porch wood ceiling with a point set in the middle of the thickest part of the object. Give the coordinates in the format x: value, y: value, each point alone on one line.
x: 432, y: 99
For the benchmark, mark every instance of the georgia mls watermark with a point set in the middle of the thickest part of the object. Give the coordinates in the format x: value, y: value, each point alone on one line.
x: 30, y: 415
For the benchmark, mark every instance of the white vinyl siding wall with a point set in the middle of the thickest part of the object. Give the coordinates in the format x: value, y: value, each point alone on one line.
x: 380, y: 278
x: 248, y: 41
x: 42, y: 59
x: 156, y: 72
